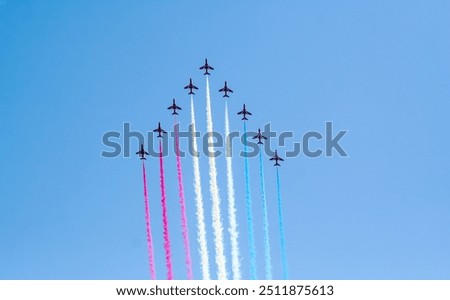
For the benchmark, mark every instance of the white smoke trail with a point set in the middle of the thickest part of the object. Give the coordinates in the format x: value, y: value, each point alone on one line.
x: 201, y: 227
x: 235, y: 263
x: 214, y: 190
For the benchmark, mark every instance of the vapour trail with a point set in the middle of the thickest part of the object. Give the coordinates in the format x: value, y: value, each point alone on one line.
x: 248, y: 206
x: 215, y: 197
x: 148, y: 226
x: 184, y: 225
x: 201, y: 227
x: 267, y: 258
x: 164, y: 216
x: 235, y: 263
x: 281, y: 226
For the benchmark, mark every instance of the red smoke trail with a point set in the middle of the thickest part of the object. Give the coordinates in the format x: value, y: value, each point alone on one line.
x: 149, y: 230
x: 164, y: 216
x: 184, y: 225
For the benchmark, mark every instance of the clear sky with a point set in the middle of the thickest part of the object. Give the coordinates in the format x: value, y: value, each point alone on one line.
x: 73, y: 70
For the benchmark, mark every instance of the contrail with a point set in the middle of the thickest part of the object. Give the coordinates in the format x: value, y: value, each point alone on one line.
x: 265, y: 219
x: 217, y: 220
x: 164, y: 216
x: 201, y: 227
x: 184, y: 226
x: 235, y: 263
x: 149, y: 230
x: 248, y: 206
x: 281, y: 225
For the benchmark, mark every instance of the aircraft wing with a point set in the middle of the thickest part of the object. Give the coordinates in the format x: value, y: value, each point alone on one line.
x: 171, y: 107
x: 249, y: 113
x: 211, y: 68
x: 186, y: 87
x: 202, y: 67
x: 264, y: 137
x: 240, y: 113
x: 163, y: 131
x: 146, y: 152
x: 255, y: 137
x: 280, y: 159
x: 177, y: 107
x: 155, y: 130
x: 222, y: 89
x: 230, y: 90
x: 273, y: 158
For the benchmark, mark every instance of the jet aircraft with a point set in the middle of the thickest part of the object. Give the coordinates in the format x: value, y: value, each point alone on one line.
x: 276, y: 158
x: 142, y: 153
x: 244, y: 112
x: 206, y: 67
x: 191, y: 87
x: 174, y: 106
x: 226, y: 90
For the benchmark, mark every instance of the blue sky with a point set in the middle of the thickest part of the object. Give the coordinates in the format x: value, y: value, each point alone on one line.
x: 69, y: 72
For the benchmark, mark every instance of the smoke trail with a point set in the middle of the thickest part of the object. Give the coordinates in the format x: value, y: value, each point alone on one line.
x: 149, y: 230
x: 164, y: 216
x: 215, y: 197
x: 248, y: 206
x: 184, y: 226
x: 265, y: 219
x: 281, y: 225
x: 201, y: 227
x: 235, y: 263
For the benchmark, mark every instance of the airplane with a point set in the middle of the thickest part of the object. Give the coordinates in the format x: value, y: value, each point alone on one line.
x: 206, y: 67
x: 259, y: 136
x: 159, y: 130
x: 276, y: 158
x: 191, y: 86
x: 174, y: 107
x: 244, y: 112
x: 226, y: 90
x: 142, y: 153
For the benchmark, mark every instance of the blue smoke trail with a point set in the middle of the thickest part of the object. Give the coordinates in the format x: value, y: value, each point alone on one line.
x: 248, y: 206
x: 281, y: 225
x: 265, y: 219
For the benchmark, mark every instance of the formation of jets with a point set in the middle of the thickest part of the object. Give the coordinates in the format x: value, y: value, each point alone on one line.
x: 191, y: 87
x: 174, y: 107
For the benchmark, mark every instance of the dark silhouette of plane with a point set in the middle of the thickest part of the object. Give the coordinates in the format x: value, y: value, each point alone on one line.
x: 226, y: 90
x: 159, y: 130
x: 206, y: 67
x: 276, y: 158
x: 191, y: 86
x: 142, y: 153
x: 174, y: 106
x: 244, y: 112
x: 259, y: 136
